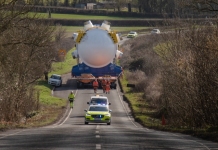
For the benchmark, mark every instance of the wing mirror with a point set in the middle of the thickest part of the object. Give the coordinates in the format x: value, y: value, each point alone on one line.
x: 85, y: 110
x: 109, y: 104
x: 87, y: 102
x: 110, y: 111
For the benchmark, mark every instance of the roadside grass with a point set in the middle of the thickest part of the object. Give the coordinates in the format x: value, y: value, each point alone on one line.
x: 65, y: 66
x: 147, y: 117
x: 139, y: 107
x: 51, y: 108
x: 82, y: 17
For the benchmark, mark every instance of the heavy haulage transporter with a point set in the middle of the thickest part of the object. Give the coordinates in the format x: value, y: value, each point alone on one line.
x: 97, y: 51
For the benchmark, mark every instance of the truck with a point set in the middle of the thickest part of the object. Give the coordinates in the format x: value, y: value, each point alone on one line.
x: 97, y: 51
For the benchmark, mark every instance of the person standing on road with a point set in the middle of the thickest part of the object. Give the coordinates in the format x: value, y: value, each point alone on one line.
x: 108, y: 87
x: 71, y: 99
x: 95, y: 85
x: 103, y: 83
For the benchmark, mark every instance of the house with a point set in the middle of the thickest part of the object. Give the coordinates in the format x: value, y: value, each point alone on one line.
x: 82, y: 6
x: 90, y: 5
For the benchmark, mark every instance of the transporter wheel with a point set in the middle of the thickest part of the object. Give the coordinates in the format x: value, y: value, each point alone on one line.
x: 86, y: 122
x: 109, y: 123
x: 114, y: 86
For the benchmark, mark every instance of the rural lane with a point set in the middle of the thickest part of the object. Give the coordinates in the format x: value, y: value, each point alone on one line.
x: 123, y: 133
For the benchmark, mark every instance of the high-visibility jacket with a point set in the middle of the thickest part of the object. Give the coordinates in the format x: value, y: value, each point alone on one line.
x: 108, y: 86
x: 103, y: 82
x: 95, y: 83
x: 71, y: 96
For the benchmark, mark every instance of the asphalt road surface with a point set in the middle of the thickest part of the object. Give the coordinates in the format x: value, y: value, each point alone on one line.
x: 123, y: 133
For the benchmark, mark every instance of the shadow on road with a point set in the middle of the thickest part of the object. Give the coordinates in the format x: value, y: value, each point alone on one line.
x: 77, y: 116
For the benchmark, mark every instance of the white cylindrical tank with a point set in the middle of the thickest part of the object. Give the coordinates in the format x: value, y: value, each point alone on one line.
x: 74, y: 54
x: 119, y: 54
x: 88, y: 25
x: 96, y: 48
x: 75, y: 36
x: 106, y: 25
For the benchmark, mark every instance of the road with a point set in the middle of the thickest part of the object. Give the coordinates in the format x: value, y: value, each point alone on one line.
x: 71, y: 132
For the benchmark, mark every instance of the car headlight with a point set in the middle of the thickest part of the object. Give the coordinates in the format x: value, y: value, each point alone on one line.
x: 107, y: 115
x: 87, y: 114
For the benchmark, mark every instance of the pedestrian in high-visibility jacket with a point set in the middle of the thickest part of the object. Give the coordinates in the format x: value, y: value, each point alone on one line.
x: 95, y: 85
x: 103, y: 83
x: 108, y: 84
x: 71, y: 98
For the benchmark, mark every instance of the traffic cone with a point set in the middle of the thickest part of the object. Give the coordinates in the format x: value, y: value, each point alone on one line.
x: 163, y: 120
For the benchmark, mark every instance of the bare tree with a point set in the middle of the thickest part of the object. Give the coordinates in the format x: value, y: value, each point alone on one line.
x: 201, y: 5
x: 26, y: 46
x: 190, y: 75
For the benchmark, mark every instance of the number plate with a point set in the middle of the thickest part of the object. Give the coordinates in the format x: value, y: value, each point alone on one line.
x: 97, y: 118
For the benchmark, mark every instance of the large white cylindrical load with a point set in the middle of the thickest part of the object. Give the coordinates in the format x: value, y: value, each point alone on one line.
x: 88, y: 25
x: 74, y: 54
x: 96, y: 48
x: 75, y: 35
x: 106, y: 25
x: 118, y: 37
x: 119, y: 54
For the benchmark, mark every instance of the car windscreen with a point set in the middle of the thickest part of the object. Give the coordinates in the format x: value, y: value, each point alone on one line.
x: 55, y: 77
x: 131, y: 32
x: 96, y: 108
x: 99, y: 101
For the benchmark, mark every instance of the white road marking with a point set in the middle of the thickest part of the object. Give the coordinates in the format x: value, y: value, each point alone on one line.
x: 97, y: 127
x: 98, y: 146
x: 52, y: 91
x: 97, y: 136
x: 96, y: 131
x: 125, y: 109
x: 66, y: 117
x: 192, y: 141
x: 6, y: 135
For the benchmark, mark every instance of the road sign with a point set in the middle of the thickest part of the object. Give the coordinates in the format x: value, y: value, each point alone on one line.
x: 62, y: 52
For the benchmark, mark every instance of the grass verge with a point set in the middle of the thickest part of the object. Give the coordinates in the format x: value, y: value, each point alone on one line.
x: 144, y: 115
x: 65, y: 66
x: 51, y: 108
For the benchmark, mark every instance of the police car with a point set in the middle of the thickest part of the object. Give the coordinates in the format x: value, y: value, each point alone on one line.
x: 99, y: 100
x: 98, y: 114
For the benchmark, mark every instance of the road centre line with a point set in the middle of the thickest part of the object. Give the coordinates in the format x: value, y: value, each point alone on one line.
x: 97, y: 127
x: 97, y: 136
x: 96, y: 131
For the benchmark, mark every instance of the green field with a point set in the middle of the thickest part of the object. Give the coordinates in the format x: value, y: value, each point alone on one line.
x: 83, y: 17
x: 71, y: 29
